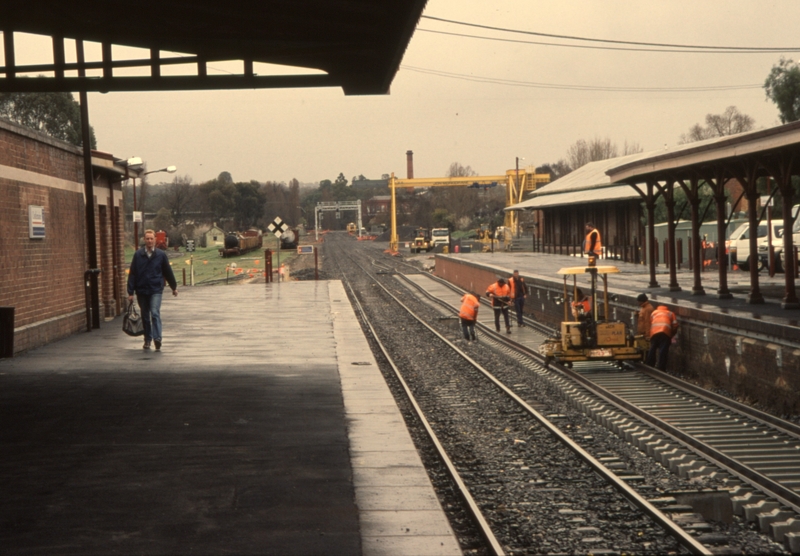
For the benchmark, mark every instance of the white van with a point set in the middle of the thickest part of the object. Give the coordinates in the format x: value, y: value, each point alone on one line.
x: 740, y: 241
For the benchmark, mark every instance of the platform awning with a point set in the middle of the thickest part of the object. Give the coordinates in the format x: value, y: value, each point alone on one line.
x: 358, y: 44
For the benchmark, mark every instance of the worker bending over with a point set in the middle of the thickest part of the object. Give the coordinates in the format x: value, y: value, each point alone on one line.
x: 663, y: 327
x: 468, y: 315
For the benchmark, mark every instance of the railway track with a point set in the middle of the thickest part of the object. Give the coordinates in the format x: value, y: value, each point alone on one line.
x: 692, y: 432
x: 468, y: 411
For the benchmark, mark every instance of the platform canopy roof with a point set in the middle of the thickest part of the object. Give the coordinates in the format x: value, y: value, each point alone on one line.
x: 358, y: 44
x: 682, y: 160
x: 588, y: 184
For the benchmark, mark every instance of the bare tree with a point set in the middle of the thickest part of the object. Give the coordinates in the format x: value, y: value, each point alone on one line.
x: 730, y: 122
x: 583, y: 152
x: 179, y: 198
x: 456, y: 170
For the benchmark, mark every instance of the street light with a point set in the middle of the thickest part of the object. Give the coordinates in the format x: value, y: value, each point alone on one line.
x: 520, y: 194
x: 137, y: 163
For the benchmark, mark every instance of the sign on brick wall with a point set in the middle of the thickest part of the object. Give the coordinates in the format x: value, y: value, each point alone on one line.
x: 35, y: 222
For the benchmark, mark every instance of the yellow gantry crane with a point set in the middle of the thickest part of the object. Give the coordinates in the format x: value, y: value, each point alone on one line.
x: 517, y: 182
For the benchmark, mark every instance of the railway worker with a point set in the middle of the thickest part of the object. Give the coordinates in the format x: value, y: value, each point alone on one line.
x: 518, y: 293
x: 593, y: 246
x: 581, y: 305
x: 500, y: 294
x: 643, y: 319
x: 663, y: 327
x: 149, y: 269
x: 469, y: 314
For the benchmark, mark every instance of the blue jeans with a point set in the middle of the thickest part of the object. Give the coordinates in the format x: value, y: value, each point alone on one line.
x: 150, y: 307
x: 519, y: 303
x: 468, y: 329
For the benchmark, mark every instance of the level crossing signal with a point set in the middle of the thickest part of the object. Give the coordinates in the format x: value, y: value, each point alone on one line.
x: 278, y: 227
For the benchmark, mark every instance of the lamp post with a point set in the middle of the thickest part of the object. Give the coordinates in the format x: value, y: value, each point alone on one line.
x: 168, y: 169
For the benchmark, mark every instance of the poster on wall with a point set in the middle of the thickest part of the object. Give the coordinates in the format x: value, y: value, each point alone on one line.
x: 35, y: 222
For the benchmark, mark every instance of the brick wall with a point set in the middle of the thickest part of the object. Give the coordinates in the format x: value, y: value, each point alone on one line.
x: 713, y: 349
x: 43, y: 278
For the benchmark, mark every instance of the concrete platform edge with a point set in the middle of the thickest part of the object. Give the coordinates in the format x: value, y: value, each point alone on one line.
x: 399, y: 512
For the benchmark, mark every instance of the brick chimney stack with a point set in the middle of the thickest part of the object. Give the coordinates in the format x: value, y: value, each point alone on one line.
x: 409, y: 164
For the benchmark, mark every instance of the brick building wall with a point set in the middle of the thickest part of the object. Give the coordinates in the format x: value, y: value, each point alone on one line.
x: 43, y: 278
x: 746, y: 357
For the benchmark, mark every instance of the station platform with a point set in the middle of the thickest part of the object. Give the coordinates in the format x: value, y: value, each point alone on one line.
x: 264, y: 426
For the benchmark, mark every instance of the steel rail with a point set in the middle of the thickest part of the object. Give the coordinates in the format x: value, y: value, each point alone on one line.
x: 472, y: 506
x: 684, y: 539
x: 764, y: 418
x: 785, y: 495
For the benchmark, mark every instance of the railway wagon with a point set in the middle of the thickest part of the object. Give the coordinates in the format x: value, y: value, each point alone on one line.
x: 240, y: 243
x: 290, y: 239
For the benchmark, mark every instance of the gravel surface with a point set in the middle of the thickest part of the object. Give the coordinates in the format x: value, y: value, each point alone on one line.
x: 536, y: 494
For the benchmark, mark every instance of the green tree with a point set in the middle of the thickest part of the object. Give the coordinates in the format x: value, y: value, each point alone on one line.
x: 55, y: 114
x: 783, y: 88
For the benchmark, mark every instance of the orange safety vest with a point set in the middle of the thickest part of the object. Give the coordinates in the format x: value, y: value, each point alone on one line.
x: 469, y: 307
x: 586, y: 303
x: 598, y: 245
x: 663, y: 321
x: 498, y: 291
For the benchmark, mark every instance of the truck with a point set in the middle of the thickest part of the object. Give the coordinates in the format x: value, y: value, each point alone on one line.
x: 440, y: 236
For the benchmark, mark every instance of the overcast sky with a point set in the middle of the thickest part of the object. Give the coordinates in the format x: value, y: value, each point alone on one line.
x: 473, y: 116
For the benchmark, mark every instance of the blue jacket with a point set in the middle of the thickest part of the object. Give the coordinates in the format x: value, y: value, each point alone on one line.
x: 147, y: 274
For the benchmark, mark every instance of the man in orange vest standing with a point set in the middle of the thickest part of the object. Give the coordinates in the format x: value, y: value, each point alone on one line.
x: 500, y: 294
x: 468, y: 315
x: 663, y: 327
x: 592, y: 246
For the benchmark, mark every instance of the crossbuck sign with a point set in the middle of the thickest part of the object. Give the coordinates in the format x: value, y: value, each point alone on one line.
x: 278, y: 227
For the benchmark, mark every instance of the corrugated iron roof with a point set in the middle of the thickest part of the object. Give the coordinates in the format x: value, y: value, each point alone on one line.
x: 707, y: 152
x: 589, y: 183
x: 593, y: 195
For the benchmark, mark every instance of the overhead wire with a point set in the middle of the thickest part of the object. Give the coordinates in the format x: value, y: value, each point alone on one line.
x: 594, y: 47
x: 614, y: 41
x: 636, y: 47
x: 568, y: 87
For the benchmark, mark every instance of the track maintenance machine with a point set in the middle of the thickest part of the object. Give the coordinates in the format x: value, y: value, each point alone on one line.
x: 590, y: 336
x: 422, y: 240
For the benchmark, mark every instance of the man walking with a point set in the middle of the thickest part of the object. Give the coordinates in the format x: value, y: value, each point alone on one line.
x: 593, y: 247
x: 663, y: 327
x: 518, y: 293
x: 149, y: 269
x: 500, y: 294
x: 468, y: 315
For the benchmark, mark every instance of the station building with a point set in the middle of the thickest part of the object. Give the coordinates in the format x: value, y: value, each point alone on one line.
x: 43, y: 255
